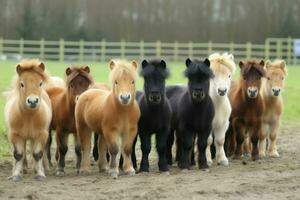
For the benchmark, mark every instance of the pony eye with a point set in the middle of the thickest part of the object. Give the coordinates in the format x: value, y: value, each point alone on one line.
x: 132, y: 82
x: 116, y: 82
x: 268, y: 78
x: 41, y: 83
x: 229, y: 76
x: 282, y: 78
x: 22, y: 85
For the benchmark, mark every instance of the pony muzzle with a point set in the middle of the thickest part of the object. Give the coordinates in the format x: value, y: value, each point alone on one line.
x: 252, y: 92
x: 32, y: 101
x: 222, y: 91
x: 198, y: 94
x: 155, y: 97
x: 276, y: 91
x: 125, y: 98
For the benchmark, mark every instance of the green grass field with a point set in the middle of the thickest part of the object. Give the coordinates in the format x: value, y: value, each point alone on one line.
x: 100, y: 72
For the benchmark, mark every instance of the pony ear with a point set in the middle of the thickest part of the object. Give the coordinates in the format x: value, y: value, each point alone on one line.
x: 163, y: 64
x: 68, y: 71
x: 267, y: 64
x: 241, y: 64
x: 188, y: 62
x: 144, y: 63
x: 135, y: 64
x: 86, y: 69
x: 111, y: 64
x: 19, y: 69
x: 207, y: 62
x: 262, y: 63
x: 42, y: 66
x: 282, y: 64
x: 231, y: 57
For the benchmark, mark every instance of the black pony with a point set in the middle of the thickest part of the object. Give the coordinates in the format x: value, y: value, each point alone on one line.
x: 155, y: 113
x: 193, y: 112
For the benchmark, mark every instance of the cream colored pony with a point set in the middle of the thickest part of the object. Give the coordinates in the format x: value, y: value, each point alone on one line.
x: 114, y: 114
x: 28, y: 115
x: 223, y: 67
x: 272, y: 87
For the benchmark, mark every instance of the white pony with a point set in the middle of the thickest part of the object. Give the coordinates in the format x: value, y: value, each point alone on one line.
x: 223, y: 67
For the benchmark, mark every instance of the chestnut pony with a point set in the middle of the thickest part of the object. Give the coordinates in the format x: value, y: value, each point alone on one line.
x: 271, y: 91
x: 247, y: 109
x: 28, y: 116
x: 78, y: 79
x: 114, y: 115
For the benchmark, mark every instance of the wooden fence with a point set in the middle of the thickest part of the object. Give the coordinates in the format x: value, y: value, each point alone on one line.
x: 103, y: 50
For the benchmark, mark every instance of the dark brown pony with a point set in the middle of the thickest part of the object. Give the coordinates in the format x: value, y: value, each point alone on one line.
x: 63, y: 99
x: 247, y: 109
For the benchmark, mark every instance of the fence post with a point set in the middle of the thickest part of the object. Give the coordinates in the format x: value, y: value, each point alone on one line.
x: 289, y: 50
x: 81, y: 50
x: 1, y: 45
x: 231, y: 48
x: 191, y: 52
x: 103, y: 50
x: 248, y: 50
x: 267, y: 49
x: 61, y: 50
x: 21, y: 47
x: 42, y: 49
x: 141, y: 49
x: 209, y: 47
x: 278, y: 49
x: 158, y: 49
x: 122, y: 49
x: 175, y: 51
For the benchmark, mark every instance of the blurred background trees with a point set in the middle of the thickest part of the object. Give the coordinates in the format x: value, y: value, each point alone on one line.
x: 150, y: 20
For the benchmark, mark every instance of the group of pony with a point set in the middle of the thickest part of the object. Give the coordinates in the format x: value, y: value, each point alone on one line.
x: 219, y: 116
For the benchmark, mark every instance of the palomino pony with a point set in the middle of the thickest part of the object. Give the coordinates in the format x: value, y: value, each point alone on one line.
x: 247, y: 109
x: 223, y: 67
x: 271, y: 91
x: 28, y: 116
x: 192, y: 114
x: 114, y: 114
x: 78, y: 79
x: 155, y: 113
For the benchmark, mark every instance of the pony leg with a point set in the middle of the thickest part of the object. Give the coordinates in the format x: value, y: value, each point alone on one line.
x: 193, y: 152
x: 102, y: 150
x: 62, y: 148
x: 273, y: 140
x: 133, y: 155
x: 77, y: 152
x: 202, y: 144
x: 219, y: 144
x: 170, y: 142
x: 161, y: 147
x: 246, y: 146
x: 95, y: 148
x: 19, y: 155
x: 239, y: 133
x: 38, y: 149
x: 127, y: 144
x: 48, y: 148
x: 85, y: 136
x: 146, y: 148
x: 187, y: 144
x: 207, y: 150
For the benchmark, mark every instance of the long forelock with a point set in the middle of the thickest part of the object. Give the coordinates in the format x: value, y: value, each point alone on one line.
x: 119, y: 71
x: 198, y: 69
x: 218, y: 61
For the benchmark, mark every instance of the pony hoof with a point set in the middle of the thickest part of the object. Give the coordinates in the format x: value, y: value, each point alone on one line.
x: 184, y: 171
x: 246, y: 155
x: 205, y: 169
x: 165, y: 173
x: 254, y: 158
x: 101, y: 170
x: 114, y: 175
x: 16, y: 178
x: 237, y: 157
x: 84, y: 172
x: 209, y: 162
x: 130, y: 172
x: 223, y: 163
x: 40, y: 177
x: 60, y: 173
x: 274, y: 154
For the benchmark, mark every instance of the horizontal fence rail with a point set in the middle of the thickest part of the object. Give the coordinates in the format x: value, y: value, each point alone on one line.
x: 273, y: 48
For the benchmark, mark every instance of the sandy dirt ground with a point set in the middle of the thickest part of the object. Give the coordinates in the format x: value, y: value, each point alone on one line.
x: 264, y: 179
